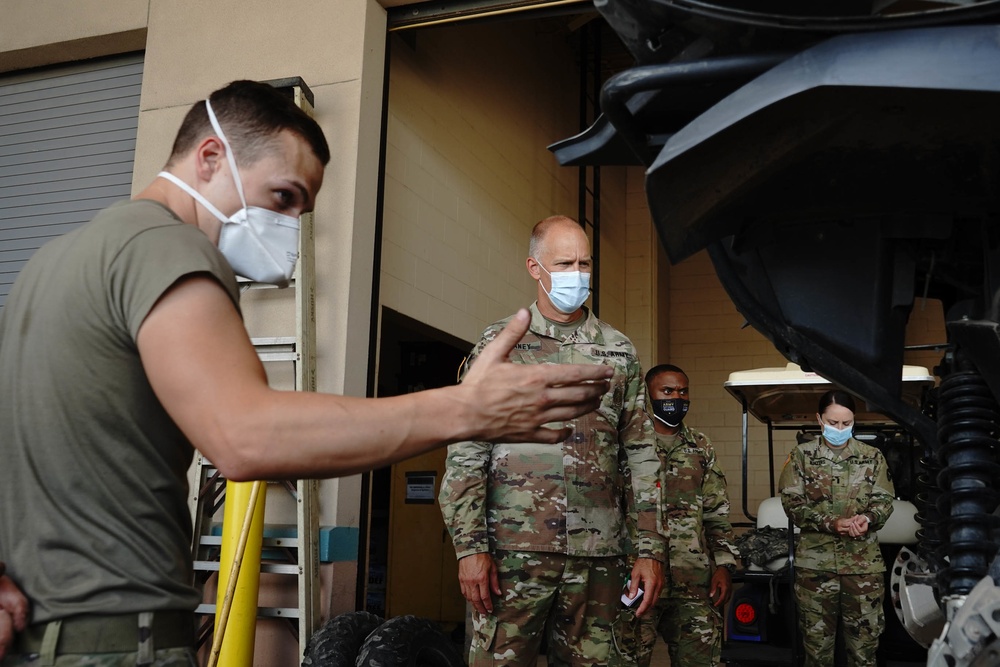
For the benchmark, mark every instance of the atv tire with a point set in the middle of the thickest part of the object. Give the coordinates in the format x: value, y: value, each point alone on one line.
x: 409, y: 641
x: 337, y: 643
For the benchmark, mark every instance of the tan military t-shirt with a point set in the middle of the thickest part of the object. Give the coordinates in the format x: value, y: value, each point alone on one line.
x: 93, y: 485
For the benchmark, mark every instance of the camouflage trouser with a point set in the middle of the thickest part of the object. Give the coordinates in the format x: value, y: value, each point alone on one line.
x: 575, y: 599
x: 855, y: 600
x: 692, y: 630
x: 170, y: 657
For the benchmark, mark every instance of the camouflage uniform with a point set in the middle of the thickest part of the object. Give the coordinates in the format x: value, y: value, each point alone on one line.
x: 837, y: 575
x: 695, y: 506
x: 579, y: 595
x: 545, y: 510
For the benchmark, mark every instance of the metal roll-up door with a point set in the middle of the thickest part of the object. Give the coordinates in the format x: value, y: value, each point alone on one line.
x: 67, y: 144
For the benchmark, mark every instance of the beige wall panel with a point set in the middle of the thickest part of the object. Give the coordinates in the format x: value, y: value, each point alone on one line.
x: 925, y: 327
x: 467, y: 173
x: 641, y: 290
x: 348, y: 101
x: 154, y: 138
x: 707, y: 341
x: 614, y: 264
x: 661, y: 282
x: 45, y: 32
x: 196, y: 45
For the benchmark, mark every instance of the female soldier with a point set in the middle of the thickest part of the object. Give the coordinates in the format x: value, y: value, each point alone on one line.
x: 837, y: 491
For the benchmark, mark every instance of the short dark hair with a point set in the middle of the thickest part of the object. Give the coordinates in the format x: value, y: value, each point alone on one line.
x: 835, y: 397
x: 251, y: 114
x: 664, y: 368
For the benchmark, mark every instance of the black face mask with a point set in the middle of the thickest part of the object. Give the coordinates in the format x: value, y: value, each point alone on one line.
x: 671, y: 411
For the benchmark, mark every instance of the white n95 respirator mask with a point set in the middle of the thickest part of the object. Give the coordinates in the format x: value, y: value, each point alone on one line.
x: 260, y: 244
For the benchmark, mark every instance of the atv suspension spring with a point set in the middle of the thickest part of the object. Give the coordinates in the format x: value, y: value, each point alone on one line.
x: 929, y: 537
x: 967, y: 421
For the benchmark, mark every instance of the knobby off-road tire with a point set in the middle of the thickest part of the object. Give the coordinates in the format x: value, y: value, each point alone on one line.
x: 409, y: 641
x: 337, y: 643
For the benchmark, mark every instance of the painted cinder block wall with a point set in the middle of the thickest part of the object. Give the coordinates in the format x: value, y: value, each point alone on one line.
x: 681, y: 314
x: 468, y: 174
x: 471, y: 110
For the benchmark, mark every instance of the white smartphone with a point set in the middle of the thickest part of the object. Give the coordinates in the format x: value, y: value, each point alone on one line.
x: 631, y: 602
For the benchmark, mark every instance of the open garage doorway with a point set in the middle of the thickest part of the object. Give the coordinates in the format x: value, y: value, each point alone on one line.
x: 411, y: 562
x: 470, y: 112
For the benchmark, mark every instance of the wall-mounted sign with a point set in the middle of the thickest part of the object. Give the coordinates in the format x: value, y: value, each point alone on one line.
x: 420, y: 487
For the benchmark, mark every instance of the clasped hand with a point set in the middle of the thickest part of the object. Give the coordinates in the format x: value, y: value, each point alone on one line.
x: 855, y: 526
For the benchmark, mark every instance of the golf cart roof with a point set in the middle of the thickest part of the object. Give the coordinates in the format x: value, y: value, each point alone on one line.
x: 788, y: 396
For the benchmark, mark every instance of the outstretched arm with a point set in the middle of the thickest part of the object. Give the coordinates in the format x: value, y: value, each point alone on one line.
x: 203, y: 368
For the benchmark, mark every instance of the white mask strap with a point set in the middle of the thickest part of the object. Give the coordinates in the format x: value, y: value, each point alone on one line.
x: 194, y: 193
x: 229, y: 151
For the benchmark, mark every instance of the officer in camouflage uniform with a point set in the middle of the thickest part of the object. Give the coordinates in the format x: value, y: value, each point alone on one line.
x: 695, y: 506
x: 540, y: 530
x: 837, y: 491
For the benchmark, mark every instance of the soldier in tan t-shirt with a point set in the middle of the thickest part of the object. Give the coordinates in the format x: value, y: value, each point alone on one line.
x: 122, y: 349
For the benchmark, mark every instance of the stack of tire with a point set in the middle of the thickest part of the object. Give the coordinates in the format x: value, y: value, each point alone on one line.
x: 361, y: 639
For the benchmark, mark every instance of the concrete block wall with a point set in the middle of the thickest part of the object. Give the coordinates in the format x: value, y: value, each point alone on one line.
x: 614, y: 264
x: 925, y: 328
x: 682, y: 315
x: 707, y: 340
x: 468, y: 175
x: 641, y: 287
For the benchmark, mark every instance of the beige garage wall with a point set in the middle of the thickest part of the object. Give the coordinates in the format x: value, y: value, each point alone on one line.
x: 34, y: 33
x: 647, y: 277
x: 707, y: 340
x: 614, y: 261
x: 681, y: 314
x: 471, y: 110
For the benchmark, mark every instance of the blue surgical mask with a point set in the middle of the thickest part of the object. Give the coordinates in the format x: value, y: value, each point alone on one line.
x: 837, y: 436
x: 569, y: 289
